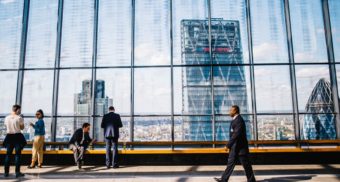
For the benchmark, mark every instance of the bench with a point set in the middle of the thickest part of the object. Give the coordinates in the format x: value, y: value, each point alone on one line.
x: 198, y: 147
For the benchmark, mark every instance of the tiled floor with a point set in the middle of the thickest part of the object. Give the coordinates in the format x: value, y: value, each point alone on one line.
x: 270, y: 173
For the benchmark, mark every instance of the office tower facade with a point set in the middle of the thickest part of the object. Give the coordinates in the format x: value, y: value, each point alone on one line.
x: 319, y: 119
x: 229, y: 82
x: 83, y: 102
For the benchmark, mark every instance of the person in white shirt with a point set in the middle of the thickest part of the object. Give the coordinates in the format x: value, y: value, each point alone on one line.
x: 14, y: 140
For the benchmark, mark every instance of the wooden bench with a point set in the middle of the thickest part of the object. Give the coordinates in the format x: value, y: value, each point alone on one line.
x: 191, y: 151
x: 201, y: 147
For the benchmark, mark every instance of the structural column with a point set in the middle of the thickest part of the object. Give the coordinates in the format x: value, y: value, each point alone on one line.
x: 56, y: 72
x: 332, y: 68
x: 20, y: 80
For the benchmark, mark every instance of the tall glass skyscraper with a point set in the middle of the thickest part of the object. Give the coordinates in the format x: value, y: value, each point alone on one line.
x: 229, y: 85
x: 83, y: 106
x: 320, y: 126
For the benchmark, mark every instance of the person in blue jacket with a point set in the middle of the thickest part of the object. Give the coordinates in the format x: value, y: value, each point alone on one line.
x: 39, y: 139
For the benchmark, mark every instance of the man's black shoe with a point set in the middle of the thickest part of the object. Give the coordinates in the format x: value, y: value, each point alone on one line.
x: 79, y: 165
x: 115, y: 166
x: 218, y: 179
x: 6, y: 175
x: 18, y: 175
x: 108, y: 167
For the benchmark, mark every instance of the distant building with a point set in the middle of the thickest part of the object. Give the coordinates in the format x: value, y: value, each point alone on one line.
x: 229, y: 81
x: 83, y: 103
x: 319, y: 118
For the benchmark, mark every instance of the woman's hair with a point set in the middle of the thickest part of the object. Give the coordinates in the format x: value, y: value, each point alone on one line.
x: 41, y: 112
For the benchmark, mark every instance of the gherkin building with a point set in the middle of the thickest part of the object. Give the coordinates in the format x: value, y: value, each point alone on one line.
x: 319, y: 120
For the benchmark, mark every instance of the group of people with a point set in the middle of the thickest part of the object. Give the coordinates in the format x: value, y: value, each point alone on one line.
x: 81, y: 139
x: 111, y: 122
x: 78, y: 143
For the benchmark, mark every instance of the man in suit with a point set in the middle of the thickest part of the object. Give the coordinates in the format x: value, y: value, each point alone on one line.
x: 111, y: 123
x: 79, y: 142
x: 238, y: 147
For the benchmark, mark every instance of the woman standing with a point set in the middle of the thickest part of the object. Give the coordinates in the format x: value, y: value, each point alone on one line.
x: 39, y: 139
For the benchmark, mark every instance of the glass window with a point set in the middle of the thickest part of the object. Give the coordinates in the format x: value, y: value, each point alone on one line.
x: 67, y: 125
x: 11, y: 26
x: 37, y: 92
x: 124, y: 132
x: 222, y: 127
x: 8, y: 91
x: 113, y: 88
x: 334, y: 13
x: 229, y: 31
x: 114, y: 33
x: 152, y: 32
x: 190, y: 16
x: 2, y: 129
x: 318, y: 126
x: 152, y: 91
x: 273, y: 89
x: 77, y: 34
x: 41, y: 34
x: 192, y: 90
x: 231, y: 87
x: 29, y: 131
x: 275, y: 127
x: 269, y: 31
x: 308, y: 31
x: 337, y: 66
x: 75, y: 88
x: 152, y: 129
x: 313, y: 87
x: 193, y: 128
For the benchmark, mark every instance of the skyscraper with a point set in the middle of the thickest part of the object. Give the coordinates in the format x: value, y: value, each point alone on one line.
x: 83, y: 102
x: 319, y: 119
x: 229, y: 82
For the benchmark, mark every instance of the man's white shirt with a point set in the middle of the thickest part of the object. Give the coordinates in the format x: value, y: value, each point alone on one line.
x: 13, y: 123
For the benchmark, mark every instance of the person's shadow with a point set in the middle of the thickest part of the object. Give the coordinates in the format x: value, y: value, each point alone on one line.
x: 288, y: 179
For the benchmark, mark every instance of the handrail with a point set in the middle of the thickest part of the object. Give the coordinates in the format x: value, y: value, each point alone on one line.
x: 188, y: 143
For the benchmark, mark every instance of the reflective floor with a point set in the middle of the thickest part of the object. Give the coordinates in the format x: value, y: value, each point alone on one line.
x: 264, y: 173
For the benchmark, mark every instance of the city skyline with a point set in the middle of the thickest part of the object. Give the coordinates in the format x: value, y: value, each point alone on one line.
x: 137, y: 53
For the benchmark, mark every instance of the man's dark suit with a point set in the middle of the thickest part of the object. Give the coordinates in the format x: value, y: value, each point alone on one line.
x: 79, y: 143
x: 111, y: 123
x: 238, y: 149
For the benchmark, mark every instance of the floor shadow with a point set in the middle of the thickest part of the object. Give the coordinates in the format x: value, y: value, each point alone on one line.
x: 191, y: 169
x: 103, y: 168
x: 100, y: 172
x: 328, y: 167
x: 288, y: 179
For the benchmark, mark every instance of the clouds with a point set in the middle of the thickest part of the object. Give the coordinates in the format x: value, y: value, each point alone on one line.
x: 262, y: 51
x: 273, y: 90
x: 303, y: 57
x: 7, y: 1
x: 263, y: 72
x: 147, y: 53
x: 312, y: 72
x: 152, y: 90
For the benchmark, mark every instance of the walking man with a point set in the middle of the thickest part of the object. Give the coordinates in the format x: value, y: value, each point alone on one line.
x: 238, y: 147
x: 111, y: 123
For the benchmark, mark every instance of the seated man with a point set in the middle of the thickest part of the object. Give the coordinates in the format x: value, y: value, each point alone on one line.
x: 79, y: 143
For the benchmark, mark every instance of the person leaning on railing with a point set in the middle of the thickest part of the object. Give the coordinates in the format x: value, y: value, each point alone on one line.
x: 39, y: 139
